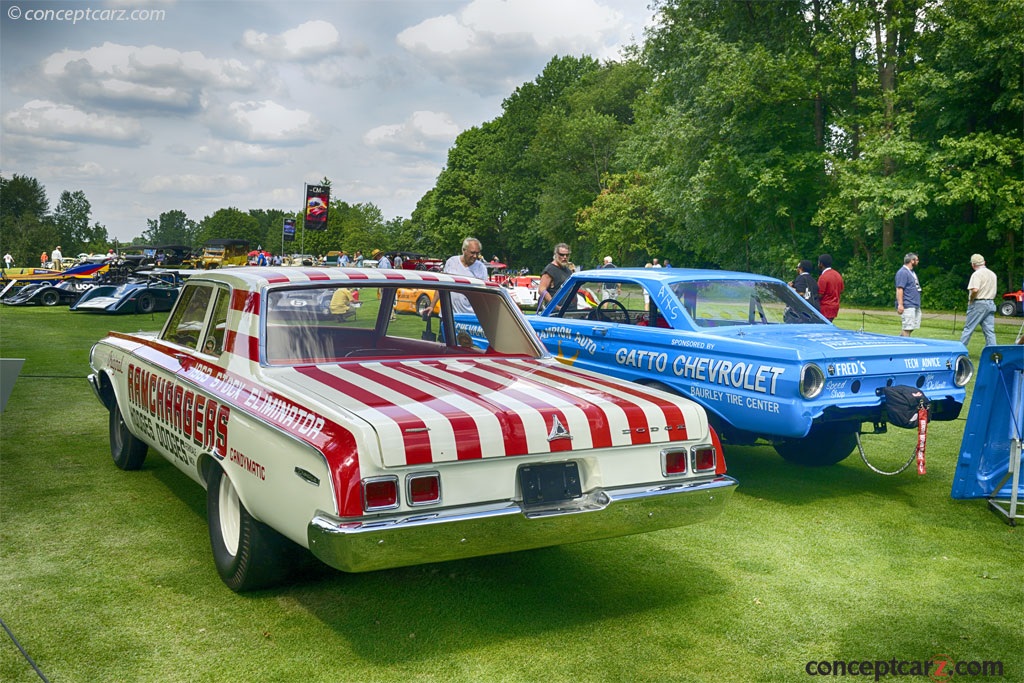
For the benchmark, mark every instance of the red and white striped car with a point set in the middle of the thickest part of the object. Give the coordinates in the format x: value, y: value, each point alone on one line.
x: 315, y: 417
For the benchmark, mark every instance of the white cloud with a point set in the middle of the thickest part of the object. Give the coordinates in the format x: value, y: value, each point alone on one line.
x: 236, y: 154
x: 192, y: 184
x: 493, y: 27
x: 423, y: 131
x: 492, y: 46
x: 310, y: 40
x: 53, y: 121
x: 266, y: 122
x: 114, y: 75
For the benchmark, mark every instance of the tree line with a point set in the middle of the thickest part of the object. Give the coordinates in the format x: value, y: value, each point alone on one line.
x: 740, y: 135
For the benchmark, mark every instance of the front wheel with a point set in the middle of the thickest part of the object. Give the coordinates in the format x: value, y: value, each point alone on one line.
x: 1008, y: 308
x: 825, y: 444
x: 50, y: 298
x: 248, y: 554
x: 127, y: 450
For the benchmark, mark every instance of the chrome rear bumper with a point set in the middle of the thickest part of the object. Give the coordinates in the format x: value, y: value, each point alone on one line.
x: 359, y: 545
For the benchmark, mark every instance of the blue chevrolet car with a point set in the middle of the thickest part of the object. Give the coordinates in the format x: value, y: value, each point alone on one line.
x: 761, y: 360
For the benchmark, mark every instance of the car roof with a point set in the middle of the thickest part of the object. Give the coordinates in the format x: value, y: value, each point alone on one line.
x: 673, y: 274
x: 258, y: 277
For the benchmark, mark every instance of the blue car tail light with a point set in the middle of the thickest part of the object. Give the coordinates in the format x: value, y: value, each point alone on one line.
x: 964, y: 371
x: 812, y: 381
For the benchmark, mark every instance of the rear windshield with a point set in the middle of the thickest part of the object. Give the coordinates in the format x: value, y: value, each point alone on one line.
x: 333, y: 323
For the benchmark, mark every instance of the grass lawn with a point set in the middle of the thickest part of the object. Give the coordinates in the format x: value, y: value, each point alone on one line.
x: 107, y: 575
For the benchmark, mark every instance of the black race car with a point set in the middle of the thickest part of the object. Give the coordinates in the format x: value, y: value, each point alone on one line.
x: 62, y: 293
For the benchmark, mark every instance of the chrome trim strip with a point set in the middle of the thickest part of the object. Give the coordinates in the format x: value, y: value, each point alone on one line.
x: 361, y: 544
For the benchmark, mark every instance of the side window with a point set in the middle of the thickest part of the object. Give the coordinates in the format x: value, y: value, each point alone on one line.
x: 214, y: 344
x: 186, y: 323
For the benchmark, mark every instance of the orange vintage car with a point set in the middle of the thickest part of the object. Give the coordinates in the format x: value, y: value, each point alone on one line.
x: 414, y: 300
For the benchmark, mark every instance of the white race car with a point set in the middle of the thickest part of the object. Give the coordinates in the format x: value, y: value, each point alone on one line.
x: 314, y: 418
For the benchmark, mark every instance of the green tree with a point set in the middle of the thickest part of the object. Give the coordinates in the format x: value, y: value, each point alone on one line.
x: 25, y: 222
x: 171, y: 228
x: 71, y: 219
x: 230, y: 223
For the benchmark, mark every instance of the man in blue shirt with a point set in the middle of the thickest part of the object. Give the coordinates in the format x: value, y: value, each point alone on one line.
x: 908, y: 295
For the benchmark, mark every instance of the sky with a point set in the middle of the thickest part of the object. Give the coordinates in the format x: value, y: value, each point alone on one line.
x: 197, y: 105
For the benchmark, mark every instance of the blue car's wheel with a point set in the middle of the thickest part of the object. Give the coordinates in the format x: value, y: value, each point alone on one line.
x: 50, y: 298
x: 825, y: 444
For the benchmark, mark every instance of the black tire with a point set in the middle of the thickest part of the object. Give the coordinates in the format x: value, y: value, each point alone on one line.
x: 1008, y: 308
x: 422, y: 304
x: 825, y: 444
x: 248, y: 554
x: 127, y: 450
x: 146, y: 303
x: 50, y: 298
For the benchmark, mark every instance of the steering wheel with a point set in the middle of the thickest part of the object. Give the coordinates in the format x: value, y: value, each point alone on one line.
x: 610, y: 311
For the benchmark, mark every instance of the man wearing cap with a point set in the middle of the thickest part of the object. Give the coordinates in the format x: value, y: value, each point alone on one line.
x: 981, y: 305
x: 805, y: 284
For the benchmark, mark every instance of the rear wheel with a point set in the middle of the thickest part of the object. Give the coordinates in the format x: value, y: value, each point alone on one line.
x: 50, y: 298
x: 248, y: 554
x: 146, y: 303
x: 423, y: 304
x: 825, y: 444
x: 128, y: 451
x: 1008, y: 308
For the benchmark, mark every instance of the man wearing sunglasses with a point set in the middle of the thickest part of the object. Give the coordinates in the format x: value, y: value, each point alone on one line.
x: 555, y: 274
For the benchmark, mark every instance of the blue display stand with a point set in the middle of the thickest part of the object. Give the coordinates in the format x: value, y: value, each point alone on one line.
x: 990, y: 465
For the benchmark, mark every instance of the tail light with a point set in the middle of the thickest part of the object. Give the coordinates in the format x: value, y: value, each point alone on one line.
x: 380, y: 493
x: 964, y: 371
x: 812, y: 381
x: 705, y: 459
x: 423, y: 488
x: 674, y: 463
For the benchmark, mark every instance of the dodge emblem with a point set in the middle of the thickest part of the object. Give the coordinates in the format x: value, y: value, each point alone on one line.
x: 558, y: 431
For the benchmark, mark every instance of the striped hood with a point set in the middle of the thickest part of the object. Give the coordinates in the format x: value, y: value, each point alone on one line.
x: 466, y: 409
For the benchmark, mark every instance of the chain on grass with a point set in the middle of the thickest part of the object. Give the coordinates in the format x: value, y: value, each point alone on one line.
x: 27, y: 657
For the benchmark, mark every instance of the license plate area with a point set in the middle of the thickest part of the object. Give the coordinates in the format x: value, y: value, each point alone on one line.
x: 548, y: 483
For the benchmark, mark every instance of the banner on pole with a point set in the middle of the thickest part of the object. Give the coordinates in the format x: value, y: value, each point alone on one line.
x: 318, y: 197
x: 289, y: 230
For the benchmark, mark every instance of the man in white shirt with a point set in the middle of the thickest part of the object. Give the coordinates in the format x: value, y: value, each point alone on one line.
x: 467, y: 263
x: 56, y: 256
x: 981, y: 305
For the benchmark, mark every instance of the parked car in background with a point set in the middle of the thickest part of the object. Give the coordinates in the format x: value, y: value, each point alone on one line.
x: 63, y: 293
x: 762, y: 361
x: 12, y: 279
x: 523, y: 289
x: 145, y: 292
x: 377, y: 442
x: 416, y: 300
x: 1012, y: 303
x: 219, y: 253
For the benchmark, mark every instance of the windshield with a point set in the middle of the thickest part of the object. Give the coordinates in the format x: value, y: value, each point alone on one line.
x: 340, y: 321
x: 717, y: 303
